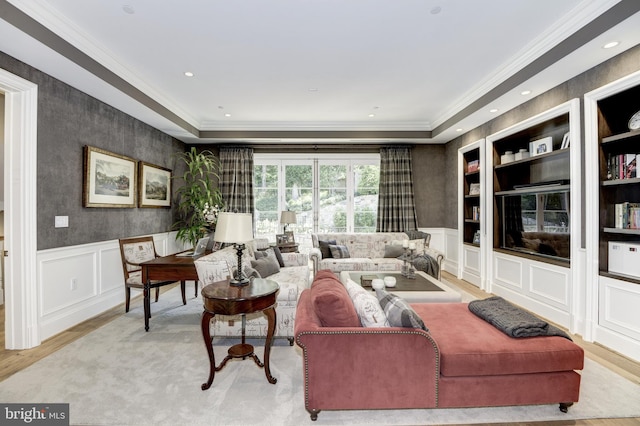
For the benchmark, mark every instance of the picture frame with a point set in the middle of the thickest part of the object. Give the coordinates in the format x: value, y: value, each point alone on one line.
x: 290, y: 237
x: 541, y: 146
x: 154, y: 186
x: 281, y: 239
x: 474, y: 189
x: 476, y: 237
x: 109, y: 179
x: 565, y: 141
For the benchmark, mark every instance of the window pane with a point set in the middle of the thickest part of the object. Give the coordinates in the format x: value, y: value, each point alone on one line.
x: 265, y: 192
x: 366, y: 178
x: 332, y: 214
x: 265, y: 176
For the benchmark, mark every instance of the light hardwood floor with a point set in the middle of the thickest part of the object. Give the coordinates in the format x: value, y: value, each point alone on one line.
x: 13, y: 361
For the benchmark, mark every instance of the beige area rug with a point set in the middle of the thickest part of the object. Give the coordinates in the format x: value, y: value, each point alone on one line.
x: 120, y: 375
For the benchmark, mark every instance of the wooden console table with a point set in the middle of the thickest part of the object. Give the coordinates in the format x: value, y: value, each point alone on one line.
x: 224, y: 299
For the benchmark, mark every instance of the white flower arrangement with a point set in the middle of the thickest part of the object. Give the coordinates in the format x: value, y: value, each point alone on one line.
x: 210, y: 213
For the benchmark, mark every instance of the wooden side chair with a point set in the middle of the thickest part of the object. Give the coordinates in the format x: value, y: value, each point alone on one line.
x: 133, y: 252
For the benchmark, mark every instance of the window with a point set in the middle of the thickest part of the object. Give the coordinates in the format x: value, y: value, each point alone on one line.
x: 329, y: 194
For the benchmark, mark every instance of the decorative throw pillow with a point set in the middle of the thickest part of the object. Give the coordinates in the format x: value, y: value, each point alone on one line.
x: 276, y: 251
x: 331, y: 302
x: 339, y: 252
x: 265, y: 266
x: 367, y: 306
x: 398, y: 311
x: 419, y: 246
x: 271, y: 254
x: 393, y: 251
x: 324, y: 248
x: 259, y: 254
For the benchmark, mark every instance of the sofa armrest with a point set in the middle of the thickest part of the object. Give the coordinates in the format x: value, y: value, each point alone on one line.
x: 358, y: 368
x: 438, y: 256
x: 315, y: 255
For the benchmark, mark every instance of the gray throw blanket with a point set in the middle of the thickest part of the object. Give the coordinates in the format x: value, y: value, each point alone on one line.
x: 426, y: 264
x: 512, y: 320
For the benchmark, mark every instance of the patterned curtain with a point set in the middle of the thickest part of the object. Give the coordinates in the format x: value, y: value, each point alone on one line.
x: 396, y: 208
x: 236, y: 179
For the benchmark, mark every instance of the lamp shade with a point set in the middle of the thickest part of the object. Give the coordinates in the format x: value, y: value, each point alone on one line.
x: 234, y: 228
x: 287, y: 216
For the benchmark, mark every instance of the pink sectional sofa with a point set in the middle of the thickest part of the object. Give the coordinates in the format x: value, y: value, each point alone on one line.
x: 462, y: 361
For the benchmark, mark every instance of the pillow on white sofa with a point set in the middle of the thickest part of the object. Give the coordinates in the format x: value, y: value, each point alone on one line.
x: 367, y: 306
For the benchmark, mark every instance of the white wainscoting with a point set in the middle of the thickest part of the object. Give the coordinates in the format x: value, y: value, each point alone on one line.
x: 79, y: 282
x: 619, y: 317
x: 541, y: 287
x: 446, y: 241
x: 470, y: 270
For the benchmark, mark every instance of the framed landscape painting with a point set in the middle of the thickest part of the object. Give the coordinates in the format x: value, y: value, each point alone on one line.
x: 109, y: 179
x: 154, y: 185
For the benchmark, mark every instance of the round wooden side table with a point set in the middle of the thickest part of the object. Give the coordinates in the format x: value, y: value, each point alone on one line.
x: 222, y: 298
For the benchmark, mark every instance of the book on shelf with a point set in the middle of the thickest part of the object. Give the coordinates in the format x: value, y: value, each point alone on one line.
x: 622, y: 166
x: 627, y: 215
x: 473, y: 166
x: 475, y: 213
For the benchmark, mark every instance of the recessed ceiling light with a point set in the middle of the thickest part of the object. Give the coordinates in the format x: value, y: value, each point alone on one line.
x: 493, y: 110
x: 227, y: 115
x: 127, y: 8
x: 525, y: 92
x: 313, y: 89
x: 611, y: 44
x: 459, y: 129
x: 372, y: 115
x: 188, y: 73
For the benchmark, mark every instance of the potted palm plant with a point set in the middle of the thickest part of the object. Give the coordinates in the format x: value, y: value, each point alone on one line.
x: 199, y: 199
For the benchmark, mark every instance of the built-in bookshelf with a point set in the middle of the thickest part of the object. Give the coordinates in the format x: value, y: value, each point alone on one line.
x: 533, y: 212
x: 470, y: 212
x: 619, y: 189
x: 532, y: 187
x: 471, y: 200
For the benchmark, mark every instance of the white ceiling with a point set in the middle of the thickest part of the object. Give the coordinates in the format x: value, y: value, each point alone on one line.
x: 314, y: 70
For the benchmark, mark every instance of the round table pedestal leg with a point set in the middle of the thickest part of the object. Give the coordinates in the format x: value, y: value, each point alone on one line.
x: 271, y: 317
x: 206, y: 334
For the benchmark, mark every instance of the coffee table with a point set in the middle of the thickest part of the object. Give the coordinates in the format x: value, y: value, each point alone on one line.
x: 224, y: 299
x: 423, y: 289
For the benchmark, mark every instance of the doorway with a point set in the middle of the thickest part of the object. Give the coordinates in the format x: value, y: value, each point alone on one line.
x: 20, y: 225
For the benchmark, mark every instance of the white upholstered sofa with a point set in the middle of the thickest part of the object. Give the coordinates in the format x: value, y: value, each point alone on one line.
x: 368, y: 251
x: 292, y: 278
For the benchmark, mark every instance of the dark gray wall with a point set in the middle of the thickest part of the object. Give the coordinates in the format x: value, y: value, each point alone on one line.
x: 430, y: 175
x: 67, y: 120
x: 611, y: 70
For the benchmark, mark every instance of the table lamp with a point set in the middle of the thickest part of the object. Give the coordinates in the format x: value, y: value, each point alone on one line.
x: 236, y: 229
x: 287, y: 217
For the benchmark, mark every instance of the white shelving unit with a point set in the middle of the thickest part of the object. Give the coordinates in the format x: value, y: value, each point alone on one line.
x: 611, y: 299
x: 540, y: 283
x: 471, y: 208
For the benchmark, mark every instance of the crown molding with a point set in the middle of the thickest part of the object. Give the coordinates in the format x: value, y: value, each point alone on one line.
x: 581, y: 15
x: 77, y: 38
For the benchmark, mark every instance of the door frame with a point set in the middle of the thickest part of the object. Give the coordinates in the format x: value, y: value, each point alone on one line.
x: 22, y: 329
